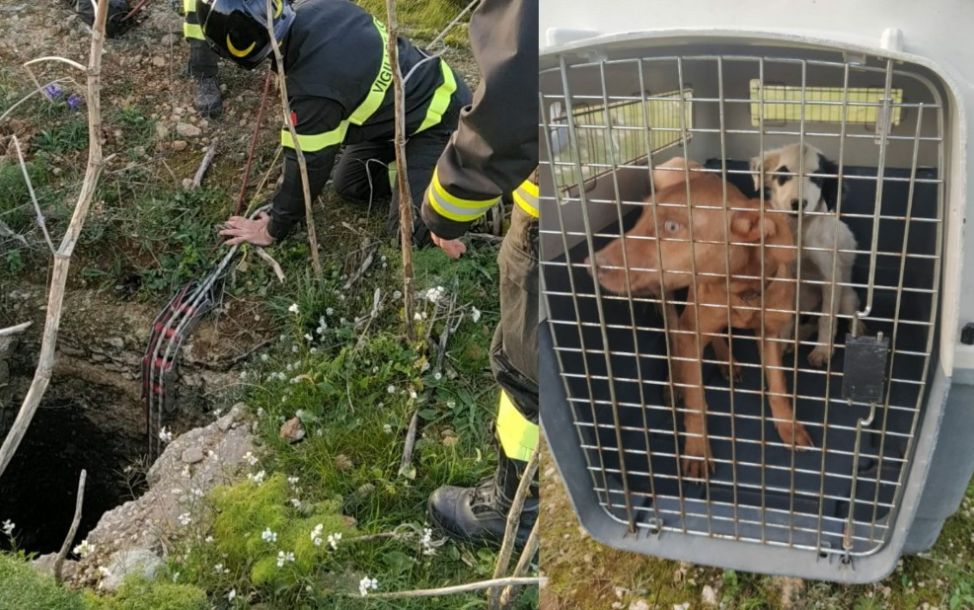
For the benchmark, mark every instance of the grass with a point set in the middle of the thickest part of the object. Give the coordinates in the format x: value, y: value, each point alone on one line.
x: 943, y: 578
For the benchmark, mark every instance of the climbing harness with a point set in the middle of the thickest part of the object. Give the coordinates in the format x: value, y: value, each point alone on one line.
x: 172, y: 326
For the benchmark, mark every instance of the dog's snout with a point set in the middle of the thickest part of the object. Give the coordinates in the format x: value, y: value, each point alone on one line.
x: 794, y: 205
x: 592, y: 264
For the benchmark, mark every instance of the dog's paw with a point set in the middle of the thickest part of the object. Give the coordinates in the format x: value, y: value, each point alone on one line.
x: 697, y: 461
x: 819, y: 356
x: 734, y: 368
x: 794, y: 435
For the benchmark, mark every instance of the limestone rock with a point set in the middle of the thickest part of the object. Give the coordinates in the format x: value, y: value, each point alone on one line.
x: 188, y: 130
x: 125, y: 563
x: 192, y: 455
x: 180, y: 145
x: 292, y: 431
x: 708, y: 597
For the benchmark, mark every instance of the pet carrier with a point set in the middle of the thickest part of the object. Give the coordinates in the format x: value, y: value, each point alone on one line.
x: 892, y: 451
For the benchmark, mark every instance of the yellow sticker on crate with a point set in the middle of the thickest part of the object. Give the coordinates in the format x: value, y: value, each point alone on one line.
x: 784, y: 103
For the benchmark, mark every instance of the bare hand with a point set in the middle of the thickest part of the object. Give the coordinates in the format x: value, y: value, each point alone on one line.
x: 240, y: 229
x: 453, y: 247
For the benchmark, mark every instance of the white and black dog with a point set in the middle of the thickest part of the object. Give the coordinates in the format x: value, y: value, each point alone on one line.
x: 822, y: 230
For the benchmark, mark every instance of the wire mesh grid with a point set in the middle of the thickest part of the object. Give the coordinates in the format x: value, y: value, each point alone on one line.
x: 617, y: 343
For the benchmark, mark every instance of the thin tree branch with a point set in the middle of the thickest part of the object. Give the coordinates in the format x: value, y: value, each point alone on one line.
x: 302, y: 163
x: 205, y: 163
x: 513, y: 519
x: 530, y: 548
x: 73, y: 530
x: 70, y: 62
x: 16, y: 329
x: 405, y: 196
x: 33, y: 197
x: 464, y: 588
x: 62, y: 258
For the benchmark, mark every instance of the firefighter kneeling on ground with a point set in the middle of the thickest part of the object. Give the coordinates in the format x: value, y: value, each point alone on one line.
x: 339, y: 85
x: 494, y: 153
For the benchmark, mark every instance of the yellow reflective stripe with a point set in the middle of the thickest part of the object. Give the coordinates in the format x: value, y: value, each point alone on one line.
x: 193, y: 30
x: 441, y: 98
x: 189, y: 6
x: 517, y: 434
x: 456, y: 208
x: 380, y: 85
x: 526, y: 197
x: 317, y: 141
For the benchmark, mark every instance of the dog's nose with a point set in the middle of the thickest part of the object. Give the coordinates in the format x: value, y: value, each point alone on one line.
x: 593, y: 264
x: 794, y: 205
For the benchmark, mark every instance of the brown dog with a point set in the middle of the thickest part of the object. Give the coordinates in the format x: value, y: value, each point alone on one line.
x: 720, y: 236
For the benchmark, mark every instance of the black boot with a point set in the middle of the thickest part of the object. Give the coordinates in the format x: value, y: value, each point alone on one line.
x: 207, y: 99
x: 480, y: 513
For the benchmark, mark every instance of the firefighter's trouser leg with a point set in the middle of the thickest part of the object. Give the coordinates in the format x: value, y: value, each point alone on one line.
x: 514, y: 351
x: 363, y: 172
x: 202, y: 59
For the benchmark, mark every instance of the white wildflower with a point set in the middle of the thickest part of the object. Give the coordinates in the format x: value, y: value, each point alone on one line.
x: 231, y: 595
x: 264, y: 357
x: 250, y: 458
x: 391, y: 389
x: 437, y: 375
x: 417, y: 316
x: 316, y: 534
x: 396, y: 295
x: 329, y: 312
x: 257, y: 478
x: 243, y: 374
x: 387, y: 428
x: 293, y: 308
x: 295, y: 503
x: 105, y: 572
x: 220, y: 569
x: 313, y: 350
x: 293, y: 481
x: 333, y: 540
x: 185, y: 519
x: 198, y: 492
x: 8, y: 527
x: 165, y: 435
x: 365, y: 584
x: 413, y: 394
x: 294, y: 349
x: 433, y: 295
x: 268, y: 536
x: 284, y: 557
x: 260, y: 412
x: 208, y: 540
x: 84, y: 549
x: 308, y: 337
x: 475, y: 314
x: 427, y: 542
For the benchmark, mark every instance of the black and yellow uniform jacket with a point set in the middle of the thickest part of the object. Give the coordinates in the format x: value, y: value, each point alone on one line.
x: 495, y: 148
x: 340, y: 89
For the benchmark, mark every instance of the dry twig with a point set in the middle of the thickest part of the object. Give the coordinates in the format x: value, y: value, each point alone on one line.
x: 73, y: 530
x: 513, y: 519
x: 15, y: 329
x: 492, y: 584
x: 530, y: 548
x: 33, y: 197
x: 205, y: 163
x: 302, y: 163
x: 62, y: 258
x: 405, y: 197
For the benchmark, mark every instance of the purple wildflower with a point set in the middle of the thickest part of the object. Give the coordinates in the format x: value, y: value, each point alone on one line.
x: 53, y: 91
x: 75, y: 101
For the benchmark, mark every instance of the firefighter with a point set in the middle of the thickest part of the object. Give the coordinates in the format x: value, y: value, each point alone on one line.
x: 494, y: 153
x: 339, y: 85
x: 207, y: 98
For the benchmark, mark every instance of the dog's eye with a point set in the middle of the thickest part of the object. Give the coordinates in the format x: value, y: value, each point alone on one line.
x: 671, y: 226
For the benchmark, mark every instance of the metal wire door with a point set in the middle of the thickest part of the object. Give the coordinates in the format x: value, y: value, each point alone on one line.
x: 606, y: 125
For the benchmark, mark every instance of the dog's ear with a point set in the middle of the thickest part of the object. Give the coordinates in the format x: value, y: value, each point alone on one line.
x: 830, y: 186
x: 769, y: 160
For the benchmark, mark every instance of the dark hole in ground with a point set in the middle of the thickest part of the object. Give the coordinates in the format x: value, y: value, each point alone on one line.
x: 38, y: 491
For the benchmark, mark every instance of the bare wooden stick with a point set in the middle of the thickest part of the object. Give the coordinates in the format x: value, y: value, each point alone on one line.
x: 405, y: 196
x: 73, y: 530
x: 70, y: 62
x: 15, y: 329
x: 205, y: 164
x: 513, y: 519
x: 464, y: 588
x: 527, y: 554
x: 33, y: 197
x: 62, y: 258
x: 267, y: 258
x: 407, y: 453
x: 302, y: 163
